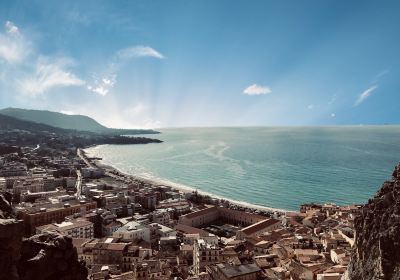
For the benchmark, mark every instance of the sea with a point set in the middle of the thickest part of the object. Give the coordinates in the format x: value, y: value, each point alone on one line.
x: 277, y: 167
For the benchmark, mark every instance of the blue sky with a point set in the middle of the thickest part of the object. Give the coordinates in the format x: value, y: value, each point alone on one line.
x: 204, y: 63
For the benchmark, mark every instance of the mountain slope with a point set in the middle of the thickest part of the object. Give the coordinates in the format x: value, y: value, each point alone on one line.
x: 54, y: 119
x: 13, y: 133
x: 10, y: 123
x: 74, y: 122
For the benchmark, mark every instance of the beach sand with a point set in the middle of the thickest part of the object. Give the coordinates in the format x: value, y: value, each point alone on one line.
x: 110, y: 170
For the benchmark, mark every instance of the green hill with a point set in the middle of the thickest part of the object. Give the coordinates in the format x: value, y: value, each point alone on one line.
x: 75, y: 122
x: 10, y: 123
x: 16, y: 132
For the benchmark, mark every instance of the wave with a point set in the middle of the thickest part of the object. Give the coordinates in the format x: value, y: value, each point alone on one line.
x: 187, y: 189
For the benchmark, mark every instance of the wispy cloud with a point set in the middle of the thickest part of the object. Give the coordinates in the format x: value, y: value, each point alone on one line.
x: 365, y: 94
x: 333, y: 99
x: 310, y: 107
x: 257, y: 90
x: 13, y: 45
x: 32, y: 73
x: 382, y: 73
x: 48, y: 75
x: 11, y: 28
x: 102, y: 86
x: 139, y: 51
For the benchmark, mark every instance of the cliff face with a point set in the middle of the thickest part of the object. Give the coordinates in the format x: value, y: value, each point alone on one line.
x: 11, y: 232
x: 47, y: 256
x: 376, y: 253
x: 50, y: 256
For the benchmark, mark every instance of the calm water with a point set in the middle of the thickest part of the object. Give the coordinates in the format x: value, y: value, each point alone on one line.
x: 276, y: 167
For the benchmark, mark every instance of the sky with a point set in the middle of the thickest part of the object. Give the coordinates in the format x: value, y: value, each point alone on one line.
x: 154, y: 64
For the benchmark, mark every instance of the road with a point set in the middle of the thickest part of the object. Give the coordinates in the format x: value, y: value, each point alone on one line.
x: 81, y: 155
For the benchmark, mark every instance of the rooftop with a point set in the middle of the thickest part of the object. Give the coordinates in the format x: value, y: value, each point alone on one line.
x: 231, y: 271
x: 201, y: 212
x: 259, y: 226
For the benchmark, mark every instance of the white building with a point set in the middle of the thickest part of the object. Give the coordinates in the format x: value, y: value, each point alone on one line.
x: 204, y: 254
x: 161, y: 216
x: 161, y: 230
x: 79, y: 228
x: 133, y: 231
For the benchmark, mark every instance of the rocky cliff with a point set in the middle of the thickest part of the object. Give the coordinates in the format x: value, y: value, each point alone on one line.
x: 376, y: 253
x: 47, y: 256
x: 50, y: 256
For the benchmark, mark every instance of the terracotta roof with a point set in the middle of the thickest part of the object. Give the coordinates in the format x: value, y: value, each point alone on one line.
x: 200, y: 212
x: 191, y: 230
x: 231, y: 271
x: 259, y: 226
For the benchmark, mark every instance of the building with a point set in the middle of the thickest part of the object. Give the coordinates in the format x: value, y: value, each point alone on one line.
x: 13, y: 169
x: 92, y: 172
x: 204, y: 254
x: 108, y: 252
x: 208, y: 215
x: 161, y: 230
x: 39, y: 183
x: 133, y: 231
x: 79, y: 228
x: 148, y: 200
x: 259, y: 228
x: 160, y: 216
x: 32, y: 196
x: 39, y: 214
x: 134, y: 255
x: 180, y: 206
x: 222, y: 271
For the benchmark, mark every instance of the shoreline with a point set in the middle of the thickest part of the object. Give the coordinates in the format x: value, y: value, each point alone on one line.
x: 181, y: 188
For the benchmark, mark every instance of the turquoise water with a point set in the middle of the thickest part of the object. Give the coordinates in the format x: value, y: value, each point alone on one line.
x: 279, y: 167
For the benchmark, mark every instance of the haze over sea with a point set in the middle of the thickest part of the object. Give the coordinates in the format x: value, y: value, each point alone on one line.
x: 279, y: 167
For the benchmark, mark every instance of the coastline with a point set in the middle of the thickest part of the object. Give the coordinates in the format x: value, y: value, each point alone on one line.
x: 181, y: 188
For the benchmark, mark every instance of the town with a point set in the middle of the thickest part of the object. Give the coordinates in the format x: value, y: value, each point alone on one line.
x: 129, y: 228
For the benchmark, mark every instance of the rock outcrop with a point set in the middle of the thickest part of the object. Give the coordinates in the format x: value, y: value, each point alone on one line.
x: 5, y: 205
x: 47, y: 256
x: 50, y: 256
x: 376, y: 253
x: 11, y: 233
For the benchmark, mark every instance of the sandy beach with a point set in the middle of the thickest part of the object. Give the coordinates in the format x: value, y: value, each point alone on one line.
x: 115, y: 172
